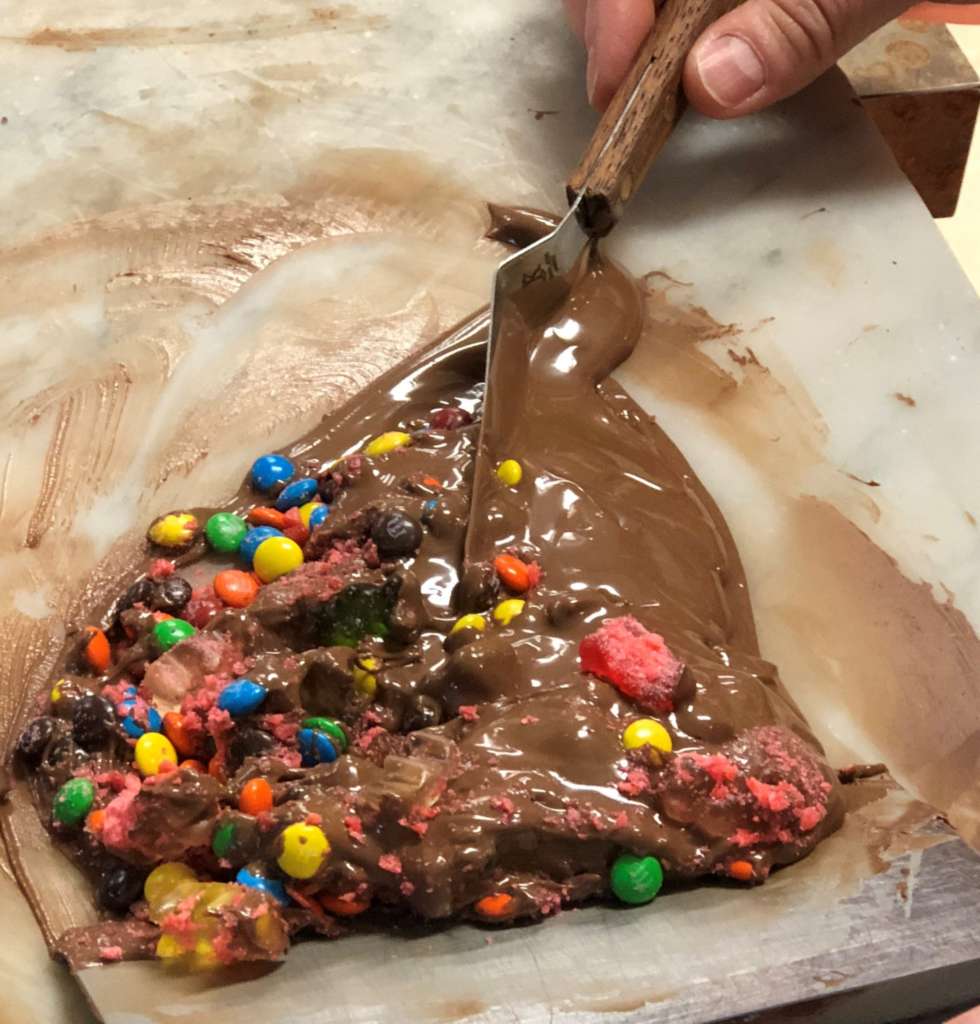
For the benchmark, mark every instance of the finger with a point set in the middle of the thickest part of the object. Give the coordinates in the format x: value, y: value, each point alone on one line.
x: 970, y: 1017
x: 766, y: 50
x: 575, y: 12
x: 613, y: 32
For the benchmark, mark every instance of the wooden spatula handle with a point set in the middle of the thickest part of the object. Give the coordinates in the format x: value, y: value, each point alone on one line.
x: 641, y: 115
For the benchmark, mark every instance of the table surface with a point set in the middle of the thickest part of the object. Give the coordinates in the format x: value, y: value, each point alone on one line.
x: 191, y: 197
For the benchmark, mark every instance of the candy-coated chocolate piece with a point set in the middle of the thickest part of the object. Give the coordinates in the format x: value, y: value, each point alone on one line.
x: 255, y: 797
x: 96, y: 651
x: 304, y: 848
x: 163, y: 879
x: 170, y: 632
x: 192, y: 764
x: 341, y: 907
x: 56, y: 693
x: 173, y: 727
x: 133, y: 728
x: 92, y: 721
x: 496, y: 906
x: 513, y: 573
x: 254, y: 538
x: 387, y: 442
x: 225, y: 531
x: 271, y: 886
x: 236, y: 588
x: 636, y: 879
x: 508, y: 610
x: 275, y: 557
x: 269, y: 470
x: 332, y: 728
x: 509, y: 472
x: 119, y: 888
x: 318, y: 515
x: 471, y: 621
x: 73, y: 801
x: 365, y: 678
x: 263, y: 515
x: 741, y: 870
x: 315, y: 747
x: 450, y: 418
x: 297, y: 493
x: 241, y: 697
x: 396, y: 534
x: 153, y: 750
x: 306, y: 511
x: 224, y: 836
x: 647, y: 732
x: 174, y: 530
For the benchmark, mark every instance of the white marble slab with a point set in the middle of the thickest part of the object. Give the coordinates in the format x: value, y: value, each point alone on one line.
x: 205, y: 224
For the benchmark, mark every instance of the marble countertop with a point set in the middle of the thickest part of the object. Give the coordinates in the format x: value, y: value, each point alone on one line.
x: 218, y: 221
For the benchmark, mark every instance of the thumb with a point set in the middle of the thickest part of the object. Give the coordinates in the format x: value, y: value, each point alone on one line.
x: 765, y: 50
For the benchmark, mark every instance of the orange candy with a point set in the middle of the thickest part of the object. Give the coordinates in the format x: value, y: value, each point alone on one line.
x: 255, y: 797
x: 431, y: 481
x: 194, y: 765
x: 741, y: 870
x: 499, y: 904
x: 512, y: 572
x: 236, y: 588
x: 96, y: 651
x: 173, y: 726
x: 342, y: 908
x: 95, y: 820
x: 264, y: 516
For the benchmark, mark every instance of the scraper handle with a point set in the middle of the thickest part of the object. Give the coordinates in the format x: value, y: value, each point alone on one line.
x: 641, y: 116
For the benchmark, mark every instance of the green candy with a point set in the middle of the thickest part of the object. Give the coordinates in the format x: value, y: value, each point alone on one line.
x: 332, y: 729
x: 359, y: 610
x: 225, y: 531
x: 224, y: 836
x: 171, y: 631
x: 636, y: 879
x: 73, y: 801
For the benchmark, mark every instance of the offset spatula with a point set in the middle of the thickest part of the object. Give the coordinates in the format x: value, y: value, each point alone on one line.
x: 632, y: 131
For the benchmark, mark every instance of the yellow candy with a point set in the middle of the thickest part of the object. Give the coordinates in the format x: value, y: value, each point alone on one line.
x: 304, y: 848
x: 152, y: 749
x: 507, y: 610
x: 56, y: 694
x: 168, y: 948
x: 163, y: 879
x: 647, y: 732
x: 364, y: 678
x: 509, y: 472
x: 474, y: 621
x: 305, y: 511
x: 174, y: 530
x: 276, y: 556
x: 388, y: 442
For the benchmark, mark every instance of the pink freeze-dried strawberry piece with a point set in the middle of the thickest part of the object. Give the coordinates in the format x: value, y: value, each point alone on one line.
x: 637, y: 662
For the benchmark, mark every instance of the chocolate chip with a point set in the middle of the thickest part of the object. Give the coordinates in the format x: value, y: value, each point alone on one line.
x: 119, y: 888
x: 423, y: 711
x: 171, y: 595
x: 34, y: 739
x: 396, y: 534
x: 92, y: 722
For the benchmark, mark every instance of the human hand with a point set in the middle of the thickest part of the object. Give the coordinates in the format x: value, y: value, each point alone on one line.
x: 761, y: 52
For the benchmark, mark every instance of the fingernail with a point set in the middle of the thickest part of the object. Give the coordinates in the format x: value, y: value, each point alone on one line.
x: 591, y: 78
x: 730, y: 70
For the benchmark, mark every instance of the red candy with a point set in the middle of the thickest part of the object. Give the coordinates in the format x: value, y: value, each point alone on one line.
x: 637, y: 662
x: 264, y: 516
x: 513, y: 573
x: 451, y: 418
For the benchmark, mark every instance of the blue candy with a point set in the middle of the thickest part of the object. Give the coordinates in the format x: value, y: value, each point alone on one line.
x: 241, y: 697
x: 254, y: 538
x: 269, y: 470
x: 130, y: 726
x: 318, y: 515
x: 428, y: 509
x: 273, y: 887
x: 315, y: 747
x: 299, y: 492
